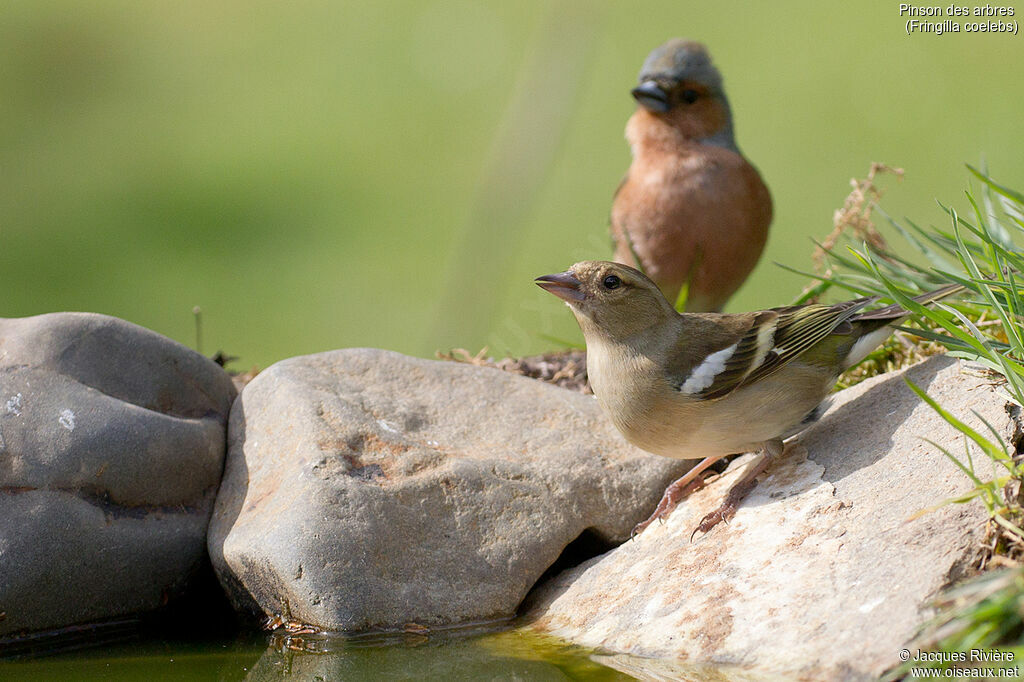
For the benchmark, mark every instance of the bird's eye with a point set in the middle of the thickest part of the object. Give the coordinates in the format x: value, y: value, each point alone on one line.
x: 612, y: 282
x: 690, y: 96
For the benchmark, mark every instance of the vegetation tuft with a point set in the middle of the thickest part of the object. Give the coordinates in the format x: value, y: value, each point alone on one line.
x: 977, y: 249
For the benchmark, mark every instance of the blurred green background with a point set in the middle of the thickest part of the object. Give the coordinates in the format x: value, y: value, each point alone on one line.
x: 317, y: 175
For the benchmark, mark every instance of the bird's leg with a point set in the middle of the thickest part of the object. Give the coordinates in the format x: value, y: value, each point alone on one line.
x: 690, y: 482
x: 741, y: 488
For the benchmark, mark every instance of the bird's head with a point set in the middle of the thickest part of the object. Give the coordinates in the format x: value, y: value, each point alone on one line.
x: 610, y: 300
x: 679, y: 84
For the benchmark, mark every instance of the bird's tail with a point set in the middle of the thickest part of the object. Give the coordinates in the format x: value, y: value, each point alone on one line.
x: 874, y: 326
x: 896, y: 311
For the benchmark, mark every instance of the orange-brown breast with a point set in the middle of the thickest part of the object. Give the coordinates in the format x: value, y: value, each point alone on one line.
x: 683, y: 200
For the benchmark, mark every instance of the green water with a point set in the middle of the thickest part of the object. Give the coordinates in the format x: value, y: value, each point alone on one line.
x: 502, y: 655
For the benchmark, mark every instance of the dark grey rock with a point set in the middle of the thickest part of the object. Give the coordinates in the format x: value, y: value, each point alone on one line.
x: 365, y: 489
x: 112, y: 441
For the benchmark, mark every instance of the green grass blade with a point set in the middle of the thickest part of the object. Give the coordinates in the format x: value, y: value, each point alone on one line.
x: 1013, y: 195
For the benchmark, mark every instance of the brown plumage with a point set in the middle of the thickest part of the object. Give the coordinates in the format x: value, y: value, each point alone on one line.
x: 691, y: 207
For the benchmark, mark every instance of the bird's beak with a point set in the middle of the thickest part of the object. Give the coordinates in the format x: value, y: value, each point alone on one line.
x: 563, y: 285
x: 651, y: 96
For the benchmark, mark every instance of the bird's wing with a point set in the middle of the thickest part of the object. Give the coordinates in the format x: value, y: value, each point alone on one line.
x: 771, y: 340
x: 895, y: 311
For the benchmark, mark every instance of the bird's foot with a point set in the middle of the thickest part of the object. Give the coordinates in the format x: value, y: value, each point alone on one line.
x: 674, y: 494
x: 723, y: 513
x: 739, y: 490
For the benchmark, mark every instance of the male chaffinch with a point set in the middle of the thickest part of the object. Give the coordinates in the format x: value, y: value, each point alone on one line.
x: 691, y: 208
x: 707, y: 385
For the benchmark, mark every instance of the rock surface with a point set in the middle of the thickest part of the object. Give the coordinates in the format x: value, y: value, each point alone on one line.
x: 367, y: 490
x: 827, y: 568
x: 112, y: 441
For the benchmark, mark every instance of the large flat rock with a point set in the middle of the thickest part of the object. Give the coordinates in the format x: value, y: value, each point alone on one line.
x: 828, y: 567
x: 367, y: 490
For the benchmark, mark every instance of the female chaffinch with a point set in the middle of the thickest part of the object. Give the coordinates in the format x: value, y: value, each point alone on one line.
x: 707, y: 385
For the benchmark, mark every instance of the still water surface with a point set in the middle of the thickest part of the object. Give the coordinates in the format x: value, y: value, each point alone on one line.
x: 502, y: 655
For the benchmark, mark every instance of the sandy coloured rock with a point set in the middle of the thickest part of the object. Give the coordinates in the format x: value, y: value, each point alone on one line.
x: 828, y: 567
x: 112, y: 442
x: 366, y: 490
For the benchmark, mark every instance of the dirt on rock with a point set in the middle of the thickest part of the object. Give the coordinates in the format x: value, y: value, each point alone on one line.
x: 567, y: 368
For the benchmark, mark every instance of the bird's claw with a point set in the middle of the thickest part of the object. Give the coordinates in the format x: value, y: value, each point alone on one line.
x: 722, y: 514
x: 642, y: 526
x: 669, y: 501
x: 660, y: 514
